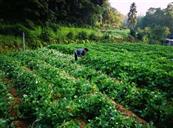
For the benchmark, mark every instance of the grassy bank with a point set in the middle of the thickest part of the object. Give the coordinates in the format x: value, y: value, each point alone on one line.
x: 39, y: 36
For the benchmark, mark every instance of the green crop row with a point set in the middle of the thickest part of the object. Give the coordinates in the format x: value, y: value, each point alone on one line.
x: 38, y: 101
x: 127, y: 66
x: 158, y: 59
x: 153, y: 50
x: 148, y: 104
x: 63, y: 84
x: 34, y: 91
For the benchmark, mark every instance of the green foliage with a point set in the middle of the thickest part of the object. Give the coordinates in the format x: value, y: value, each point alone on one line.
x: 82, y: 35
x: 154, y: 35
x: 54, y: 27
x: 157, y: 17
x: 107, y: 36
x: 159, y: 23
x: 35, y: 43
x: 133, y: 33
x: 5, y: 102
x: 128, y: 65
x: 70, y: 35
x: 132, y: 18
x: 84, y: 89
x: 115, y: 35
x: 45, y: 34
x: 103, y: 120
x: 10, y: 43
x: 148, y: 104
x: 112, y: 18
x: 57, y: 92
x: 70, y: 124
x: 11, y: 35
x: 84, y: 12
x: 94, y: 37
x: 76, y: 12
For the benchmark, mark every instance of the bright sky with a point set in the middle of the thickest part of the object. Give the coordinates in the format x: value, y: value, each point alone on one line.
x: 142, y: 5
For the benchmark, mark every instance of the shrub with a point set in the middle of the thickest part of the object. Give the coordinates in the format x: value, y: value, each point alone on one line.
x: 154, y: 35
x: 54, y: 27
x: 93, y: 36
x: 45, y: 35
x: 70, y: 35
x: 106, y: 36
x: 133, y: 33
x: 34, y: 43
x: 82, y: 35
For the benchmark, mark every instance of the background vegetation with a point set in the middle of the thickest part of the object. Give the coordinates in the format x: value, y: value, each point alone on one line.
x: 156, y: 25
x: 55, y: 21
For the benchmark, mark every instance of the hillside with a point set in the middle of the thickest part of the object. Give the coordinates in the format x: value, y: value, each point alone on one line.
x: 11, y: 35
x: 114, y: 85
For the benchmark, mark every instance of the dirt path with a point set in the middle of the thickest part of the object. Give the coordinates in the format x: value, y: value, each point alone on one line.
x: 82, y: 122
x: 13, y: 109
x: 128, y: 113
x: 19, y: 123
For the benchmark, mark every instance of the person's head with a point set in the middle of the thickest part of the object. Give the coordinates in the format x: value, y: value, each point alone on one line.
x: 86, y: 49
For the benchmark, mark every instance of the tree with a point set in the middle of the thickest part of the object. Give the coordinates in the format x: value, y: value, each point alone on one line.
x: 112, y: 17
x: 159, y: 21
x: 169, y: 14
x: 41, y: 11
x: 132, y: 17
x: 158, y: 17
x: 20, y: 10
x: 169, y: 9
x: 154, y: 17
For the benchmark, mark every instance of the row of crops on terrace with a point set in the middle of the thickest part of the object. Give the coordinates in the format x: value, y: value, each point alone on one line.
x: 51, y: 97
x: 56, y: 91
x: 148, y: 69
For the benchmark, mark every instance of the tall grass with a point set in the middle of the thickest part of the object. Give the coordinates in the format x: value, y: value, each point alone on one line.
x: 8, y: 42
x: 38, y: 36
x: 75, y: 30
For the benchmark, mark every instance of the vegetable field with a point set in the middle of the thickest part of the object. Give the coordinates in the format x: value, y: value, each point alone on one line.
x: 113, y: 86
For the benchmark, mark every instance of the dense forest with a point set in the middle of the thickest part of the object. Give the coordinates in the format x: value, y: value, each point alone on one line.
x: 156, y: 25
x: 59, y: 11
x: 55, y: 21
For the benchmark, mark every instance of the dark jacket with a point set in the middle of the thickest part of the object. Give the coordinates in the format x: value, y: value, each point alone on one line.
x: 79, y: 53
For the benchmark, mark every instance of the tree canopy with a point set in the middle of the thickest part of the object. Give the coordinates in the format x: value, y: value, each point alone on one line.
x: 158, y: 17
x: 112, y: 17
x: 40, y: 11
x: 132, y: 18
x: 156, y: 25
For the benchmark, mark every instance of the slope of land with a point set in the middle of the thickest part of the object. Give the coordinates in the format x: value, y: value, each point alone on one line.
x: 114, y: 85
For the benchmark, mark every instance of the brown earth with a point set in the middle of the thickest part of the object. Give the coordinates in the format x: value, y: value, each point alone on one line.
x: 128, y: 113
x: 13, y: 108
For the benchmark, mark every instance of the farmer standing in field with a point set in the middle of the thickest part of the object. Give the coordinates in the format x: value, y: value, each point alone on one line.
x: 80, y: 52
